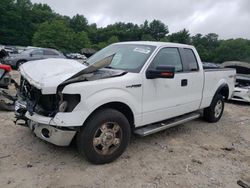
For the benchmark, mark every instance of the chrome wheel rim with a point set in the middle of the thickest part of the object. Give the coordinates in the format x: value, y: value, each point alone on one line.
x: 218, y: 109
x: 107, y: 138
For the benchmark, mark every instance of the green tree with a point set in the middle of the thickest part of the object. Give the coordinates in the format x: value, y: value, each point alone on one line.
x: 113, y: 39
x: 157, y: 29
x: 16, y: 27
x: 206, y: 45
x: 41, y: 13
x: 182, y: 36
x: 59, y: 36
x: 54, y: 35
x: 80, y: 41
x: 79, y: 23
x: 233, y: 50
x: 147, y: 37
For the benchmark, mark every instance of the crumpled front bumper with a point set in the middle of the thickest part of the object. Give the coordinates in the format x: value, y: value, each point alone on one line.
x: 241, y: 94
x: 45, y: 128
x: 52, y: 134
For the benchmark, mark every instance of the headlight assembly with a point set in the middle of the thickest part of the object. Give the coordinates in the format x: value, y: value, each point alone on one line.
x: 69, y: 102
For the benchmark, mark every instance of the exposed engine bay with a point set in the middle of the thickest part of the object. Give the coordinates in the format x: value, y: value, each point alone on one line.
x: 50, y: 104
x: 242, y: 85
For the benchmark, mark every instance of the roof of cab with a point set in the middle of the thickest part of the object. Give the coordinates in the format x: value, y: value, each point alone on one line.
x: 157, y: 44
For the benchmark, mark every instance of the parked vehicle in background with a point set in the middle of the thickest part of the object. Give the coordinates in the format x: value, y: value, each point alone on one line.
x: 3, y: 54
x: 15, y: 60
x: 209, y: 65
x: 7, y: 100
x: 76, y: 56
x: 138, y: 87
x: 11, y: 49
x: 242, y: 86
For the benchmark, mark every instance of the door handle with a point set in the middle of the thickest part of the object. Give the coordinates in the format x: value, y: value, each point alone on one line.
x: 184, y: 82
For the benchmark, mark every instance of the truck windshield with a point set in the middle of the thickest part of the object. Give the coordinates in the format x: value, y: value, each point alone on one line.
x: 128, y: 57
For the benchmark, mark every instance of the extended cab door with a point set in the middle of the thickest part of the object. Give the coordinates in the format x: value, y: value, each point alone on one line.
x: 164, y: 98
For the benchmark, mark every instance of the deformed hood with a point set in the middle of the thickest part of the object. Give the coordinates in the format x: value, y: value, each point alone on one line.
x: 48, y: 74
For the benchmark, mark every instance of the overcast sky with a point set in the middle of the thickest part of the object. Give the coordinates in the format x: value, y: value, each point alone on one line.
x: 228, y: 18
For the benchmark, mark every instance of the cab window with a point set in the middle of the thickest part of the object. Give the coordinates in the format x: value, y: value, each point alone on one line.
x: 190, y: 60
x: 168, y: 57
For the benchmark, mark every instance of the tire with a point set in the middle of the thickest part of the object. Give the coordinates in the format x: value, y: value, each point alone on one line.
x: 104, y: 137
x: 214, y: 112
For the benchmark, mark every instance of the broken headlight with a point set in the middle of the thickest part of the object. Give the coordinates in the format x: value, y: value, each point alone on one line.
x: 68, y: 102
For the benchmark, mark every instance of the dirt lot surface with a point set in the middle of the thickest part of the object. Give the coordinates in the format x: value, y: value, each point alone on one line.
x: 195, y: 154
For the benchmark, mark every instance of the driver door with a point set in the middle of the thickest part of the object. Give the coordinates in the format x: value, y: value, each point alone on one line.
x: 163, y: 97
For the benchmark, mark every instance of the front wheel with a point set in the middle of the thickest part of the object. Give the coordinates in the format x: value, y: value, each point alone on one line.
x: 104, y: 137
x: 214, y: 112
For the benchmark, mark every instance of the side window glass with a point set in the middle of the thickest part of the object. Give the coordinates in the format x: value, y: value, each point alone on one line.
x: 49, y: 52
x: 191, y: 61
x: 37, y: 52
x: 168, y: 57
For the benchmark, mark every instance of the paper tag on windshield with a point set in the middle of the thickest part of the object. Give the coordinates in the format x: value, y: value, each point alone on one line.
x: 142, y: 50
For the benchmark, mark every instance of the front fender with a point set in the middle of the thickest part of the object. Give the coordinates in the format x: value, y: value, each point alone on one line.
x: 92, y: 100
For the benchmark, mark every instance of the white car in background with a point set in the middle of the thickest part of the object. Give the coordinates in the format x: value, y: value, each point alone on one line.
x: 242, y: 85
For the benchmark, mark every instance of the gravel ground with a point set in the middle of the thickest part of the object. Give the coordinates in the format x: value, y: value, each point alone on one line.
x: 195, y: 154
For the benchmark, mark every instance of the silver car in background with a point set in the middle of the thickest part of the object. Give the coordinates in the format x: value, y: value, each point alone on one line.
x: 15, y: 60
x: 242, y: 85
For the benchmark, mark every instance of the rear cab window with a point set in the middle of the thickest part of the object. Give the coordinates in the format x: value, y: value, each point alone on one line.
x: 189, y: 60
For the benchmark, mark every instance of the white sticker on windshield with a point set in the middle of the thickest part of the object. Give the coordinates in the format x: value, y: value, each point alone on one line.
x: 142, y: 50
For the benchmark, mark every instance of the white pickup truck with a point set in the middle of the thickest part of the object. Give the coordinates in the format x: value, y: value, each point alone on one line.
x: 131, y: 87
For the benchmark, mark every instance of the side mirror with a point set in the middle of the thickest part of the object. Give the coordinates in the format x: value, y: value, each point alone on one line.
x: 161, y: 71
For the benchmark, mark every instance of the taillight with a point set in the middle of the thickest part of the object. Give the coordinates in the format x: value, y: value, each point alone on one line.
x: 7, y: 68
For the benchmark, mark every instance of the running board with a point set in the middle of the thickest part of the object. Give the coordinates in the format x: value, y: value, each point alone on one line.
x: 157, y: 127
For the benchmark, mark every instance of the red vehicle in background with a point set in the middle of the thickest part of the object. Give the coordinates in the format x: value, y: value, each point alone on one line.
x: 7, y: 101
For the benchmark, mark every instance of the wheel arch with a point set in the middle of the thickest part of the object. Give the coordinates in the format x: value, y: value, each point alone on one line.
x: 223, y: 90
x: 119, y: 106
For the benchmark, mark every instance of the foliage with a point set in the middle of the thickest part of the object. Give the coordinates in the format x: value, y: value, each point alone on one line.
x: 59, y: 36
x: 157, y: 29
x: 182, y: 36
x: 233, y: 50
x: 24, y: 23
x: 79, y: 23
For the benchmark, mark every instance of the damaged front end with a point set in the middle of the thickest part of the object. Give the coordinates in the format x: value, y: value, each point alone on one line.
x: 31, y: 100
x: 43, y: 107
x: 242, y: 85
x: 36, y: 111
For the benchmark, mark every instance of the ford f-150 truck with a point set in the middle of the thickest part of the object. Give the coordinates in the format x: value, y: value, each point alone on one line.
x: 130, y: 87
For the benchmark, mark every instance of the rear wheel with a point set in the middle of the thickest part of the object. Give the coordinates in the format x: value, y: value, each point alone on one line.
x: 104, y: 137
x: 214, y: 112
